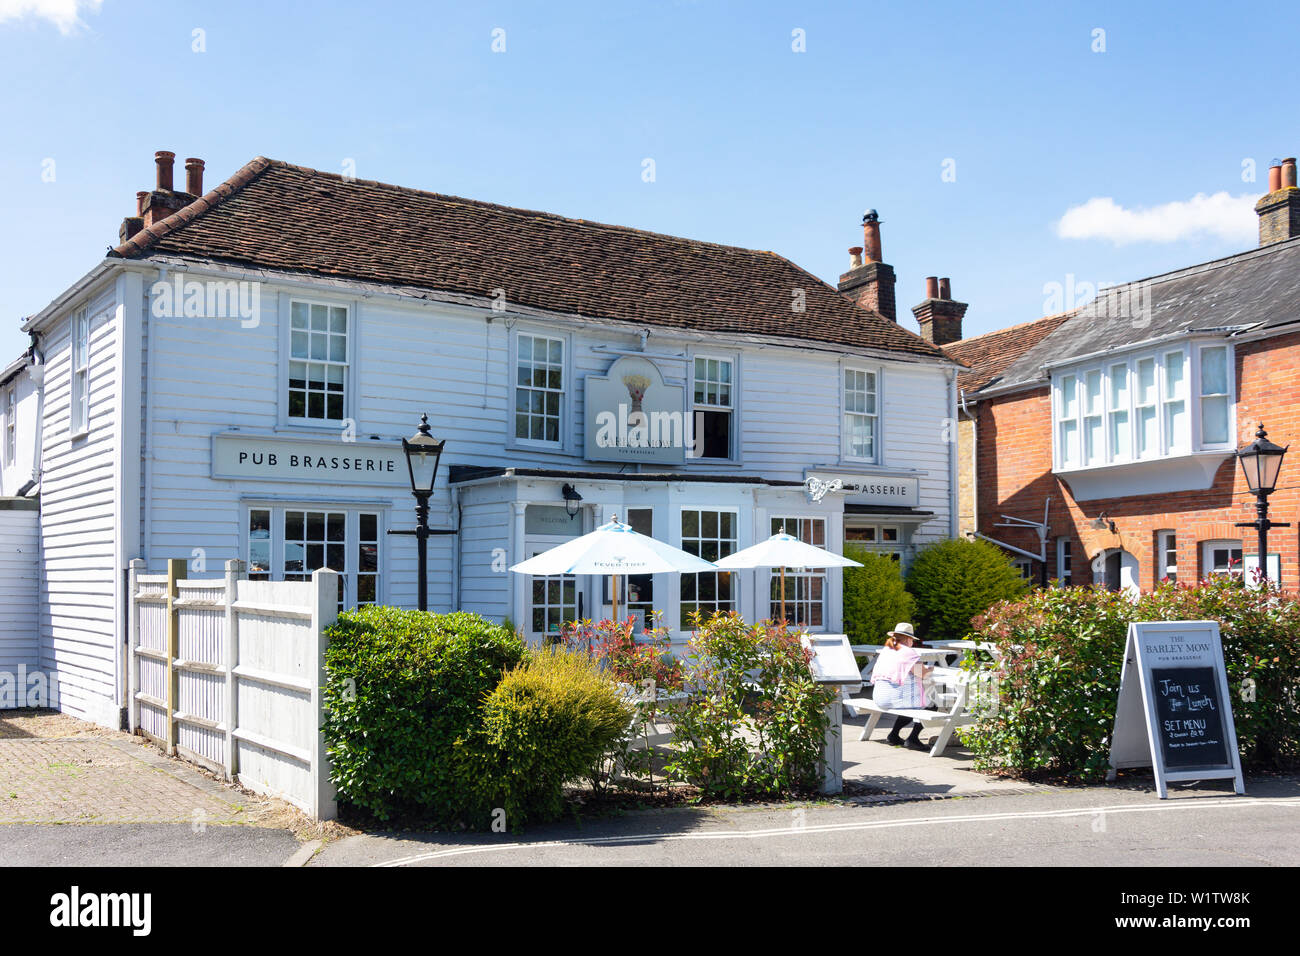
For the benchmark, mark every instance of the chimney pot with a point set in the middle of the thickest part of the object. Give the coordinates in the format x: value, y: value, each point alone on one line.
x: 871, y: 237
x: 1288, y: 173
x: 194, y: 176
x: 1275, y: 176
x: 945, y: 288
x: 932, y: 287
x: 164, y: 159
x: 141, y: 202
x: 855, y: 256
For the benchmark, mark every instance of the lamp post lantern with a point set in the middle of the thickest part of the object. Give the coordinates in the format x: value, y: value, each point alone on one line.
x: 1261, y: 461
x: 423, y: 452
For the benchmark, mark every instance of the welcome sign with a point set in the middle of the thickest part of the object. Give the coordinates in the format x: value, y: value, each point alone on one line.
x: 1175, y: 712
x: 273, y: 458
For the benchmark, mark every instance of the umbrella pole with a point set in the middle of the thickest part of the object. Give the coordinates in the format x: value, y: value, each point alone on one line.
x: 783, y: 621
x: 614, y: 592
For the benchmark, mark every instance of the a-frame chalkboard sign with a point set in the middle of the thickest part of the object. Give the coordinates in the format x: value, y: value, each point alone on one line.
x: 1174, y: 683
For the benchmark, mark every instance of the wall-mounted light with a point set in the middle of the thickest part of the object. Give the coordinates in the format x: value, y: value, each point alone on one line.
x: 571, y: 499
x: 1103, y: 523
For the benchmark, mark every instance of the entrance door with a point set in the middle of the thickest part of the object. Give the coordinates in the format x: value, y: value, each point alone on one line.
x: 1117, y: 569
x: 554, y: 600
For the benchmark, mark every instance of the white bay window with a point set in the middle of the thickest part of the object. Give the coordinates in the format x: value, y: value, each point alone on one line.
x: 1174, y: 403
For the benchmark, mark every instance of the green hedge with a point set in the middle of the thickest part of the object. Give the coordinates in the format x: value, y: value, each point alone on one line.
x: 954, y: 580
x: 402, y: 687
x: 548, y: 723
x: 1061, y: 655
x: 875, y: 599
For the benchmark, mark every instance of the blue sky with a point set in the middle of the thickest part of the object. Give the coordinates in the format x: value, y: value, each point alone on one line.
x: 753, y: 143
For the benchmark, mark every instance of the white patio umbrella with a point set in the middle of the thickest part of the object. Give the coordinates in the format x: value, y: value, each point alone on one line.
x: 786, y: 551
x: 613, y: 549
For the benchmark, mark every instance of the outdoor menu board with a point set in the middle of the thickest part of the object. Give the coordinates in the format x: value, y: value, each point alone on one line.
x: 1175, y: 713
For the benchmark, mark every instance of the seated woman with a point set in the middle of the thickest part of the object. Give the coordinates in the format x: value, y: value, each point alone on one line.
x: 898, y: 682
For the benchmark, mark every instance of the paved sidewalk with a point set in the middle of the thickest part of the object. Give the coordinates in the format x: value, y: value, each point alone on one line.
x: 915, y: 773
x: 77, y: 780
x: 57, y: 769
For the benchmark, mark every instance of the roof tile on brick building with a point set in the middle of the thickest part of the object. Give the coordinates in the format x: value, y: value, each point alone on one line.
x: 275, y: 215
x: 990, y: 354
x: 1257, y: 290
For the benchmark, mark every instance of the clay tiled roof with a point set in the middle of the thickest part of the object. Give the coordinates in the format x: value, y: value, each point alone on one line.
x: 277, y: 216
x: 989, y: 355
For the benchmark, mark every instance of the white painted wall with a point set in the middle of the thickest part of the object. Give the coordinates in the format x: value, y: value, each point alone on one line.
x: 79, y: 589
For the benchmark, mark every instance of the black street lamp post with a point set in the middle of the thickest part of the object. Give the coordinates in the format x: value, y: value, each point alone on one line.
x: 1261, y: 461
x: 423, y: 452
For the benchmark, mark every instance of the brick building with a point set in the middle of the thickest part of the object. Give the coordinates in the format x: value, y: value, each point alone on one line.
x: 1098, y: 445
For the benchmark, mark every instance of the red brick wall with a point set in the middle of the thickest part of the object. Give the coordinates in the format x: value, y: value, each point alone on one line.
x: 1014, y: 475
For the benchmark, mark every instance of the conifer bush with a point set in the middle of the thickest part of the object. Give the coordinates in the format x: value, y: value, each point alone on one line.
x: 953, y: 581
x: 875, y: 599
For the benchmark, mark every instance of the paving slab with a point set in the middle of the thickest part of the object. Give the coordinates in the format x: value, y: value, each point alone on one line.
x: 915, y: 773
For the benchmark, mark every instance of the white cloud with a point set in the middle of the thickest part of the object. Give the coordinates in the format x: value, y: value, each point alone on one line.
x: 64, y: 14
x: 1220, y: 216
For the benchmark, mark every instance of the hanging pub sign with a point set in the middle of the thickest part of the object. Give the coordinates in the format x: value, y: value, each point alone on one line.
x: 633, y: 415
x: 1175, y: 712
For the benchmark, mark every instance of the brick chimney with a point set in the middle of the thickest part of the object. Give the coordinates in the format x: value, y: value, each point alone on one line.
x: 869, y: 281
x: 155, y: 206
x: 939, y: 316
x: 1279, y: 211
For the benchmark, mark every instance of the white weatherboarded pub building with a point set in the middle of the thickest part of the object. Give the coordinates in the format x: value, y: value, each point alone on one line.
x: 234, y: 380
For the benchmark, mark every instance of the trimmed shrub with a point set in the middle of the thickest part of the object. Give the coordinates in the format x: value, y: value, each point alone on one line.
x: 755, y: 720
x: 953, y: 581
x: 875, y: 599
x: 401, y: 688
x: 1061, y: 654
x: 546, y: 724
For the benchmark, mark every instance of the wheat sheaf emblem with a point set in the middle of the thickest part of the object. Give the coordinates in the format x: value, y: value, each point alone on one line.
x: 636, y: 388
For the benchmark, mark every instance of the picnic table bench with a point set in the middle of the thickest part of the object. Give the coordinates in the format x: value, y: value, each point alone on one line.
x: 946, y: 720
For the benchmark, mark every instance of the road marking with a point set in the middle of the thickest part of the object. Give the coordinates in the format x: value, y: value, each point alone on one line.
x: 1229, y: 803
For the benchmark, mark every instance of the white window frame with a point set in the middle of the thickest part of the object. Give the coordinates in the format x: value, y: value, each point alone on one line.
x: 877, y: 440
x: 565, y: 439
x: 79, y: 382
x: 1064, y: 575
x: 352, y: 541
x: 736, y: 597
x: 11, y: 423
x: 877, y: 543
x: 350, y: 373
x: 733, y: 409
x: 1231, y: 544
x: 1166, y: 541
x: 1201, y: 396
x: 1188, y: 393
x: 794, y: 577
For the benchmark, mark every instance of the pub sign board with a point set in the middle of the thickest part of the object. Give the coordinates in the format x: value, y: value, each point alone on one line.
x: 632, y: 414
x: 275, y: 458
x: 1175, y: 711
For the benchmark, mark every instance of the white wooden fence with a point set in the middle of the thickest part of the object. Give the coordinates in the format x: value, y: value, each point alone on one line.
x: 228, y: 672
